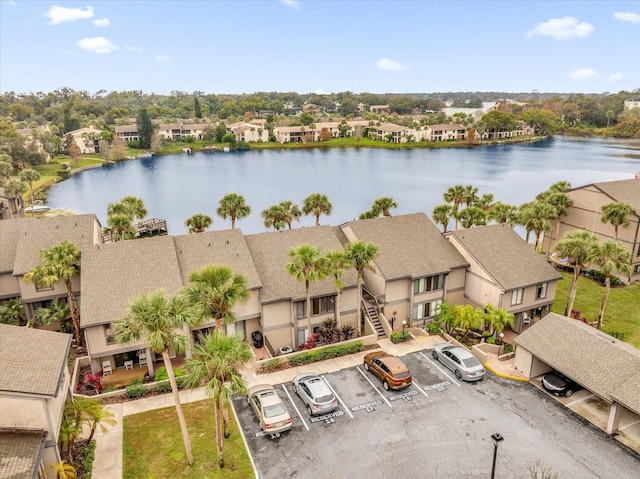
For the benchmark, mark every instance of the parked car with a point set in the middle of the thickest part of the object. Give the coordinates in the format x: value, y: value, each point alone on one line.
x: 460, y: 360
x: 269, y: 408
x: 560, y: 385
x: 389, y: 369
x: 315, y: 393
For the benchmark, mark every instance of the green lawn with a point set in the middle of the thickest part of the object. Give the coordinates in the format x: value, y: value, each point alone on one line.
x: 153, y: 446
x: 621, y: 315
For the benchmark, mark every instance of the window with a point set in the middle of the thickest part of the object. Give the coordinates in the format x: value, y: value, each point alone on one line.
x: 636, y: 269
x: 431, y: 283
x: 109, y: 334
x: 426, y: 310
x: 323, y: 305
x: 541, y: 291
x: 516, y: 296
x: 42, y: 287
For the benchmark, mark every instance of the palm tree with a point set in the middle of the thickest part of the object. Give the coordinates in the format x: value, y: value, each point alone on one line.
x: 5, y: 170
x: 307, y: 264
x: 275, y: 217
x: 610, y: 256
x: 384, y: 204
x: 15, y: 187
x: 64, y: 470
x: 617, y: 214
x: 134, y: 207
x: 158, y: 318
x: 526, y: 217
x: 56, y: 311
x: 467, y: 317
x: 470, y: 195
x: 290, y: 211
x: 216, y: 290
x: 455, y: 195
x: 61, y: 262
x: 216, y: 361
x: 503, y: 212
x: 317, y: 204
x: 561, y: 203
x: 361, y: 255
x: 577, y: 247
x: 97, y: 415
x: 120, y: 227
x: 198, y: 223
x: 336, y: 262
x: 442, y: 214
x: 472, y: 216
x: 30, y: 176
x: 498, y: 318
x: 233, y: 206
x: 542, y: 216
x: 12, y: 312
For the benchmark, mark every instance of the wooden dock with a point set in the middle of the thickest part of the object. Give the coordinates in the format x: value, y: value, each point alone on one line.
x: 145, y: 229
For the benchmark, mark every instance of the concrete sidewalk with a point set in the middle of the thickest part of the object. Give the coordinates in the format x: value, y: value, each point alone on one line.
x: 108, y: 454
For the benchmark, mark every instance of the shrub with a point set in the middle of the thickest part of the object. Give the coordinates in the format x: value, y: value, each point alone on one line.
x: 346, y: 331
x: 135, y: 381
x: 310, y: 342
x: 161, y: 373
x: 163, y: 387
x: 508, y: 348
x: 271, y: 365
x: 326, y: 353
x: 87, y: 462
x: 135, y: 391
x: 399, y: 336
x: 434, y: 328
x: 94, y: 381
x: 491, y: 340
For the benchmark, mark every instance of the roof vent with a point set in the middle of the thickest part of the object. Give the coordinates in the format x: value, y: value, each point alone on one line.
x: 227, y: 241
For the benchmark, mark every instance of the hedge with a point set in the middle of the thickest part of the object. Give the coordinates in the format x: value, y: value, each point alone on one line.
x: 326, y: 353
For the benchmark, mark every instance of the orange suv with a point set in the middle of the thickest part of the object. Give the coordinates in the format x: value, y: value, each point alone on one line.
x: 391, y: 371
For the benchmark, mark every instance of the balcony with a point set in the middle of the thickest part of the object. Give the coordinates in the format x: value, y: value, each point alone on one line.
x: 122, y: 376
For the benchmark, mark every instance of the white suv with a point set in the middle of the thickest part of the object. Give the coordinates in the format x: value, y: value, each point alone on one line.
x: 315, y: 393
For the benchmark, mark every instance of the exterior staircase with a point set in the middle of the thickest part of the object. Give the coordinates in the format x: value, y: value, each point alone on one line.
x: 372, y: 314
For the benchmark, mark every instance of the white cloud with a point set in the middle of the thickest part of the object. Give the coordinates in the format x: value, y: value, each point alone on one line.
x: 97, y: 45
x: 291, y: 4
x: 59, y: 15
x: 627, y: 17
x: 162, y: 58
x: 131, y: 49
x: 13, y: 3
x: 389, y: 65
x: 583, y: 74
x: 101, y: 22
x: 615, y: 77
x: 561, y: 29
x: 320, y: 91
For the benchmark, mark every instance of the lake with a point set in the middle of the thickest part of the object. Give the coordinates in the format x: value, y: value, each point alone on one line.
x: 175, y: 187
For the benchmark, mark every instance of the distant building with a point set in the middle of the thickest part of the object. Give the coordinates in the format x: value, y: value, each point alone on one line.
x: 632, y: 103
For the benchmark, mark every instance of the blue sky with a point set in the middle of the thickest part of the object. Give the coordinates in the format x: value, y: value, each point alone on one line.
x: 320, y: 46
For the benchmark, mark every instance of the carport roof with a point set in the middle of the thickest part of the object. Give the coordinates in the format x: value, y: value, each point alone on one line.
x: 597, y: 361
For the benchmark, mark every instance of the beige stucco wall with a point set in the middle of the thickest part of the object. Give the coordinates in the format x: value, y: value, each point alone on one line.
x: 528, y: 364
x: 277, y: 324
x: 29, y: 293
x: 9, y: 286
x: 250, y: 309
x: 97, y: 344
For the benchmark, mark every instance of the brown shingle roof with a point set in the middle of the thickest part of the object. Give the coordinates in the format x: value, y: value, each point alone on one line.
x: 9, y: 231
x: 270, y: 252
x: 32, y: 361
x: 627, y: 191
x: 114, y: 273
x: 35, y: 234
x: 597, y: 361
x: 19, y: 453
x: 409, y: 246
x: 226, y: 247
x: 506, y: 256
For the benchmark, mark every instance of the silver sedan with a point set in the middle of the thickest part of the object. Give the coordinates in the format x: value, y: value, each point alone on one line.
x: 463, y: 364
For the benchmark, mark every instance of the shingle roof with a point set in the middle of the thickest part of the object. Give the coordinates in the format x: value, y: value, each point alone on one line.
x: 19, y: 453
x: 114, y: 273
x: 32, y: 361
x: 506, y: 256
x: 409, y: 246
x: 597, y: 361
x: 35, y: 234
x: 225, y: 247
x: 9, y: 231
x: 627, y: 191
x: 270, y: 252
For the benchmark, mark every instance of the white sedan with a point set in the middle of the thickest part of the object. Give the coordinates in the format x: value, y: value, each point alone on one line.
x: 460, y: 360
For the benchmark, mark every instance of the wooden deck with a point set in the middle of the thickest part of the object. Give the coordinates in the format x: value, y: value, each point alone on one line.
x: 145, y: 228
x: 122, y: 376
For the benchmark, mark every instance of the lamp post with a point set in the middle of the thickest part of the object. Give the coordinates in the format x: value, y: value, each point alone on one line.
x: 497, y: 439
x: 501, y: 344
x: 404, y: 325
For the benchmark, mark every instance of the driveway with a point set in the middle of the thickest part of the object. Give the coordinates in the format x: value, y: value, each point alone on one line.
x: 438, y: 427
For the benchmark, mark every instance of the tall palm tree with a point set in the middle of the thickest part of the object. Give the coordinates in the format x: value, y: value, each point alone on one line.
x: 308, y: 265
x: 96, y: 415
x: 498, y: 318
x: 455, y: 195
x: 120, y: 227
x: 503, y: 212
x: 317, y: 204
x: 467, y: 317
x: 61, y: 262
x: 472, y: 216
x: 216, y: 290
x: 275, y: 217
x: 216, y: 361
x: 609, y: 256
x: 561, y: 204
x: 12, y: 312
x: 470, y: 195
x: 542, y: 216
x: 15, y: 187
x: 525, y: 217
x: 157, y: 317
x: 134, y: 207
x: 442, y: 214
x: 5, y: 169
x: 198, y: 223
x: 336, y: 262
x: 56, y: 311
x: 233, y: 206
x: 30, y: 176
x: 577, y: 247
x: 361, y: 254
x: 384, y: 204
x: 617, y: 214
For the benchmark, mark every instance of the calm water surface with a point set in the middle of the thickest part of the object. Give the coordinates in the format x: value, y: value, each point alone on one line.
x: 176, y: 187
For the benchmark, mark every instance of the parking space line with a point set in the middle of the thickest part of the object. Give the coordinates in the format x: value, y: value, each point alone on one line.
x: 629, y: 425
x: 569, y: 404
x: 439, y: 369
x: 420, y: 388
x: 338, y: 397
x: 374, y: 387
x: 294, y: 406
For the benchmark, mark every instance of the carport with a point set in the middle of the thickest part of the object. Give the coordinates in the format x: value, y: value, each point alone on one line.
x: 603, y: 365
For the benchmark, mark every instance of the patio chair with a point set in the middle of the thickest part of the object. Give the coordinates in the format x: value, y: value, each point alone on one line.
x: 128, y: 365
x: 106, y: 368
x: 525, y: 318
x: 142, y: 358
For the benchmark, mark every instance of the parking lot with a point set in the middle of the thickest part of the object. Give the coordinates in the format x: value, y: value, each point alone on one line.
x: 438, y: 427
